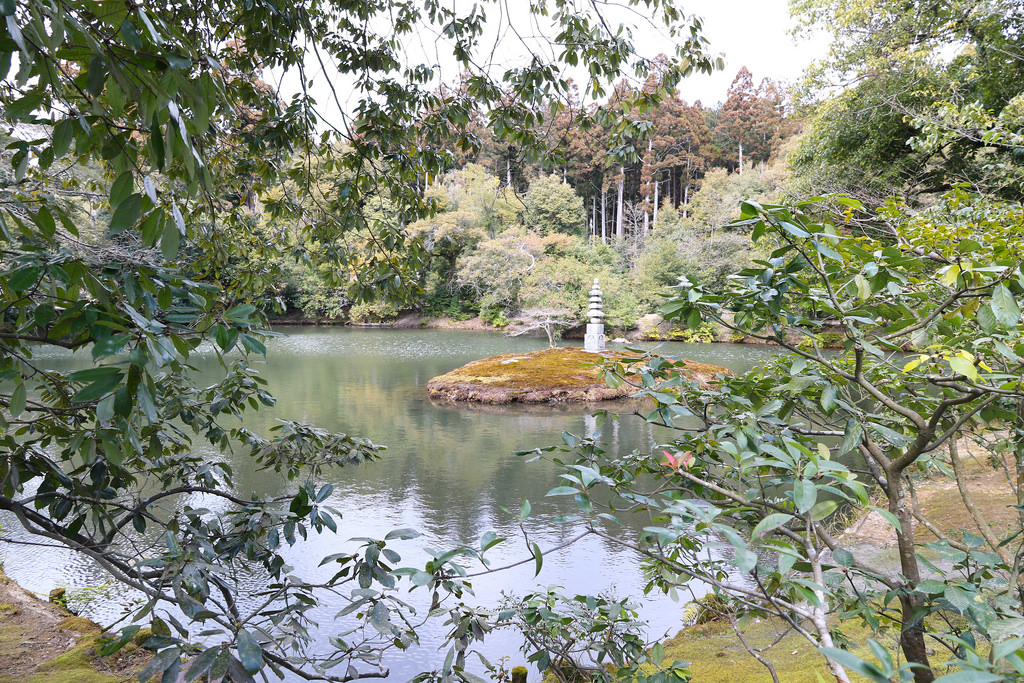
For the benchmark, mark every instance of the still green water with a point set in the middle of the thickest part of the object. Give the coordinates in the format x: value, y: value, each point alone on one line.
x: 448, y: 471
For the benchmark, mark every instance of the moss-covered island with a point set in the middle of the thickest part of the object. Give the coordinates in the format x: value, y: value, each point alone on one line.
x: 566, y: 374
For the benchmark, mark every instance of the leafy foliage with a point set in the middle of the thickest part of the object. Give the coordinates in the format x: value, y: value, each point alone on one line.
x: 762, y: 460
x: 552, y: 205
x: 929, y: 83
x: 158, y: 114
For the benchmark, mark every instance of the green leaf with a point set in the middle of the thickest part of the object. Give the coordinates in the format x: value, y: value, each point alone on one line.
x: 121, y: 188
x: 745, y: 559
x: 823, y: 509
x: 962, y: 366
x: 179, y: 220
x: 489, y: 540
x: 126, y: 214
x: 146, y: 403
x: 202, y: 663
x: 177, y: 62
x: 828, y: 251
x: 805, y: 493
x: 402, y: 535
x: 794, y: 230
x: 22, y: 280
x: 1005, y: 306
x: 960, y: 599
x: 111, y: 12
x: 853, y: 663
x: 102, y: 383
x: 931, y: 587
x: 241, y: 313
x: 887, y: 516
x: 22, y: 108
x: 96, y: 75
x: 563, y: 491
x: 843, y: 557
x: 828, y: 399
x: 1005, y: 351
x: 105, y: 410
x: 130, y: 35
x: 987, y: 319
x: 114, y: 645
x: 169, y: 240
x: 150, y: 189
x: 44, y: 219
x: 380, y: 619
x: 18, y: 400
x: 108, y: 346
x: 851, y: 437
x: 159, y: 663
x: 253, y: 345
x: 63, y: 133
x: 967, y: 245
x: 538, y: 559
x: 249, y: 652
x: 770, y: 523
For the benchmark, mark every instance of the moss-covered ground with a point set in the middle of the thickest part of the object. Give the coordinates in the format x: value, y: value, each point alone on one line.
x: 43, y: 643
x: 716, y: 653
x: 717, y: 656
x: 551, y: 375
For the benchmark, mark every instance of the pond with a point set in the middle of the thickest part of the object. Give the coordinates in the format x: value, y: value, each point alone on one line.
x: 448, y: 472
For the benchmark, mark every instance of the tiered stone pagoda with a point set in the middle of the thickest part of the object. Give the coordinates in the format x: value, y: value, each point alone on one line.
x: 594, y: 339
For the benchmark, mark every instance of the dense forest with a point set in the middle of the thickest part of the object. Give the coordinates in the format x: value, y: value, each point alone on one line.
x: 507, y: 233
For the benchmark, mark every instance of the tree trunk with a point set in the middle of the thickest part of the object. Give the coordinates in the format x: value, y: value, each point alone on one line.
x: 656, y: 184
x: 686, y: 191
x: 741, y: 158
x: 620, y: 225
x: 508, y: 171
x: 1018, y: 458
x: 647, y: 192
x: 911, y: 637
x: 604, y: 211
x: 593, y: 215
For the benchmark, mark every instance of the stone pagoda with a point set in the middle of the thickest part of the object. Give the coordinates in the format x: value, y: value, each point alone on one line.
x: 594, y: 339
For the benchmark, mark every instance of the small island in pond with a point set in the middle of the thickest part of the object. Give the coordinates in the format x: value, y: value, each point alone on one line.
x: 567, y: 374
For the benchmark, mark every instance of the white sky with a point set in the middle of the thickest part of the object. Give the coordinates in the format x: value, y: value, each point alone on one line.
x: 751, y: 33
